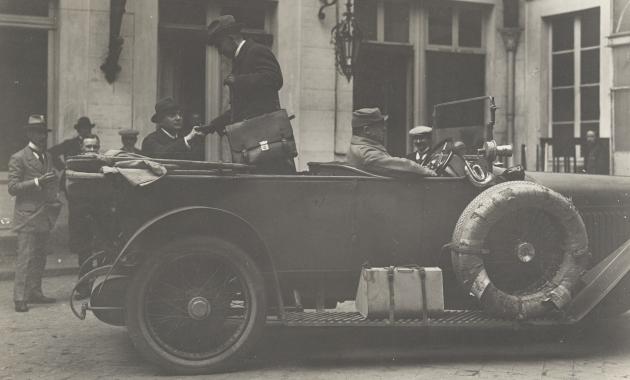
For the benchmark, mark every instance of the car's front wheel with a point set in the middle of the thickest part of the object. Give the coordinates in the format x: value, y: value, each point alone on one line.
x: 196, y: 306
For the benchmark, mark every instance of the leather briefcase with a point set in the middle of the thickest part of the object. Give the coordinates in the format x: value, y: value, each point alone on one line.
x: 261, y: 139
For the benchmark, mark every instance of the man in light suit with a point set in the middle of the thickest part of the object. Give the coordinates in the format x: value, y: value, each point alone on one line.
x: 34, y: 184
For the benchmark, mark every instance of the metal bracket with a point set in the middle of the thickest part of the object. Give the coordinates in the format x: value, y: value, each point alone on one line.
x: 325, y: 4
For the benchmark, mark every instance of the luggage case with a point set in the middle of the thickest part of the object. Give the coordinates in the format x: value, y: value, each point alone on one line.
x: 261, y: 139
x: 394, y: 292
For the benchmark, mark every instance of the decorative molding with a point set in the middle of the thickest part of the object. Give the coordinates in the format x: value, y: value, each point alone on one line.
x: 511, y: 37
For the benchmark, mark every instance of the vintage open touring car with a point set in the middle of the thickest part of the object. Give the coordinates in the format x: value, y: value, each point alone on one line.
x: 204, y: 257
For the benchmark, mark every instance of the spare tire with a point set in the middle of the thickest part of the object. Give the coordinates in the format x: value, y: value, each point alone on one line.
x: 520, y: 248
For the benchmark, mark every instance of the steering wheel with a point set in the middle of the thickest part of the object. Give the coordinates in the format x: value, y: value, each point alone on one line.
x: 438, y: 157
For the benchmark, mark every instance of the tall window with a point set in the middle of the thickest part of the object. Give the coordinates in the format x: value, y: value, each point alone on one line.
x: 383, y: 21
x: 575, y: 74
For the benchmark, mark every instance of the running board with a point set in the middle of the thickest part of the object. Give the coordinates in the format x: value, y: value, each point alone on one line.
x: 599, y: 281
x: 448, y: 319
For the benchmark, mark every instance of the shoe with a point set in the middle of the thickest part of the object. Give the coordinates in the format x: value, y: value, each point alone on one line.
x: 21, y: 306
x: 40, y: 298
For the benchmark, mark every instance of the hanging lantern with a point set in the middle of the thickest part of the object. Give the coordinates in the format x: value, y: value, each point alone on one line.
x: 346, y: 36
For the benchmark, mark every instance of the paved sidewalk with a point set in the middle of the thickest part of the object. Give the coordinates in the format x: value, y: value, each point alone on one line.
x: 57, y: 264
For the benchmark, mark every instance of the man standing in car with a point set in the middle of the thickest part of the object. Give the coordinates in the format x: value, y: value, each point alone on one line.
x: 367, y: 152
x: 71, y: 147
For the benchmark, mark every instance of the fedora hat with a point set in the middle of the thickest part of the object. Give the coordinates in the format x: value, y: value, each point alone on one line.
x: 367, y: 116
x: 36, y: 121
x: 163, y: 107
x: 82, y: 122
x: 221, y: 26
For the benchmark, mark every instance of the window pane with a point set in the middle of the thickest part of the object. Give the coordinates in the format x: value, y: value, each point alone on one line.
x: 25, y: 7
x: 253, y: 17
x: 366, y: 15
x: 590, y: 66
x: 440, y: 25
x: 396, y: 22
x: 562, y: 31
x: 183, y: 12
x: 563, y: 140
x: 470, y: 27
x: 589, y: 103
x: 562, y: 69
x: 563, y: 105
x: 590, y: 28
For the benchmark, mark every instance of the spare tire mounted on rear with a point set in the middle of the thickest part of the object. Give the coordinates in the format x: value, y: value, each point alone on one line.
x: 520, y: 248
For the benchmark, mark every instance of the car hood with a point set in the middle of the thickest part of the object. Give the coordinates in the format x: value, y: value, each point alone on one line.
x: 587, y: 190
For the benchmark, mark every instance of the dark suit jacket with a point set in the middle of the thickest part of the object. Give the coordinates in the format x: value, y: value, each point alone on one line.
x: 67, y: 148
x: 257, y: 80
x: 596, y: 159
x: 160, y: 145
x: 36, y: 208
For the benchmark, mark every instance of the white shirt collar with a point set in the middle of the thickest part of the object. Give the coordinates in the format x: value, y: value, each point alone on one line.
x: 168, y: 134
x: 34, y: 148
x: 238, y: 49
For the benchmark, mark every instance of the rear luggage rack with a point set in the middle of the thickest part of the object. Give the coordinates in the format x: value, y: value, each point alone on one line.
x: 450, y: 318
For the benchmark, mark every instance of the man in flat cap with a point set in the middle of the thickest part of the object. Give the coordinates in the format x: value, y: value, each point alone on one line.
x: 367, y: 152
x: 421, y: 139
x: 34, y: 184
x: 71, y: 147
x: 169, y: 140
x: 255, y: 79
x: 129, y: 138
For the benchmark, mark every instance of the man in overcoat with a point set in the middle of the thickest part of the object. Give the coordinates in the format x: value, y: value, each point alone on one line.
x: 596, y: 155
x: 34, y: 184
x: 254, y: 81
x: 71, y: 147
x: 367, y: 152
x: 169, y: 141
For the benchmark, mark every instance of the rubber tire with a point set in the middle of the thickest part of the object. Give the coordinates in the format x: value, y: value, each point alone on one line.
x: 475, y: 224
x: 252, y: 278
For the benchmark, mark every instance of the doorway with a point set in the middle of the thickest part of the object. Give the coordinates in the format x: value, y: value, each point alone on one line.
x: 382, y: 79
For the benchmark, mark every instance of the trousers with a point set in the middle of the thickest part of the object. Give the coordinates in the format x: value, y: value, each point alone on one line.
x: 30, y: 263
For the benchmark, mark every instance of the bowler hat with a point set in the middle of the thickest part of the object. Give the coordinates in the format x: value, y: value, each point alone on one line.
x: 163, y: 107
x: 36, y: 121
x: 221, y: 26
x: 420, y: 130
x: 367, y: 116
x: 83, y: 121
x: 128, y: 132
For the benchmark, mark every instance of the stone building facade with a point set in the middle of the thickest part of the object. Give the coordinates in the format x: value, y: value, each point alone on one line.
x: 556, y: 68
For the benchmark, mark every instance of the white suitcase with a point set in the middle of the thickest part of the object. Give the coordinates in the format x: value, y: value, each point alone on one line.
x: 394, y: 292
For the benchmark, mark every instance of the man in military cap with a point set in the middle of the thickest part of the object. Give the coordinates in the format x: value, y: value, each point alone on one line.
x: 169, y: 140
x: 33, y: 182
x: 421, y: 139
x: 129, y: 138
x: 255, y: 79
x: 71, y: 147
x: 367, y: 152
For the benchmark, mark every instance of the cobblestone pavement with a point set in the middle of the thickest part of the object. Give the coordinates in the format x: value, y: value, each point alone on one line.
x: 50, y: 343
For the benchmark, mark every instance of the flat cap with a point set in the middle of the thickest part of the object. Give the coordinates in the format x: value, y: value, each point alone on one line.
x: 420, y: 130
x: 128, y: 132
x: 367, y: 116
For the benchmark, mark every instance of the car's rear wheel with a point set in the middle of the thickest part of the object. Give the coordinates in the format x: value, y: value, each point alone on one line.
x: 520, y: 248
x: 196, y: 306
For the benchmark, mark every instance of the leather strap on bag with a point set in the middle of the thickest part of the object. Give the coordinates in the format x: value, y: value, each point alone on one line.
x: 423, y: 288
x: 392, y: 304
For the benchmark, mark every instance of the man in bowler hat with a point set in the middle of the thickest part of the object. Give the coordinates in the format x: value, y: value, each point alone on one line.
x: 367, y: 152
x: 34, y: 184
x: 169, y: 140
x: 71, y: 147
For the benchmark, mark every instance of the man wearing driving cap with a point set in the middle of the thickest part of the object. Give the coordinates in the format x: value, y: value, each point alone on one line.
x: 71, y: 147
x: 256, y: 77
x: 34, y: 184
x: 169, y: 140
x: 421, y: 139
x: 129, y: 138
x: 367, y: 152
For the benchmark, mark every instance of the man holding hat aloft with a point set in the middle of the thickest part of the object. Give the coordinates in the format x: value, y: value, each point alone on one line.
x: 367, y: 152
x: 421, y: 139
x: 71, y: 147
x: 129, y: 138
x: 255, y: 79
x: 169, y: 139
x: 34, y: 184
